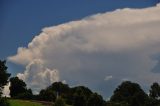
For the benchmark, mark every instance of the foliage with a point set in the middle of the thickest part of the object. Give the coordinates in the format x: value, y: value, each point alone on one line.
x: 95, y: 100
x: 59, y: 102
x: 155, y: 91
x: 79, y: 99
x: 77, y: 96
x: 47, y: 95
x: 3, y: 75
x: 17, y: 86
x: 4, y: 102
x: 80, y: 95
x: 18, y: 89
x: 126, y: 94
x: 130, y: 93
x: 59, y: 87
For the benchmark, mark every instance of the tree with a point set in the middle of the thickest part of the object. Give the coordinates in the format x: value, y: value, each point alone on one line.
x: 17, y: 87
x: 81, y: 89
x: 56, y: 89
x: 130, y: 93
x: 4, y: 102
x: 59, y: 102
x: 25, y: 95
x: 155, y: 91
x: 95, y: 100
x: 59, y: 88
x: 80, y: 95
x: 3, y: 75
x: 47, y: 95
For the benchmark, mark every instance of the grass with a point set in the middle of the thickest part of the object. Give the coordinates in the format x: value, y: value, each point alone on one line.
x: 23, y: 103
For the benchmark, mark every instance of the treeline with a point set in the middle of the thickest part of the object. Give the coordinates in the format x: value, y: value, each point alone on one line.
x: 131, y: 94
x: 58, y: 91
x: 126, y: 94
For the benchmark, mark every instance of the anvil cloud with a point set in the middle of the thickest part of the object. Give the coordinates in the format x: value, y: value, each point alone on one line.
x: 124, y: 44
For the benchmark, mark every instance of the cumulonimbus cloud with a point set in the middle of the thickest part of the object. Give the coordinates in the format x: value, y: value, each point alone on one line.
x: 38, y: 76
x: 119, y: 43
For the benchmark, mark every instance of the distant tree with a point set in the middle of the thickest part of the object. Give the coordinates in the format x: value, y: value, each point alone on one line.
x: 25, y: 95
x: 82, y: 89
x: 4, y: 75
x: 81, y: 95
x: 17, y: 87
x: 79, y: 99
x: 76, y: 96
x: 95, y: 100
x: 155, y: 91
x: 47, y: 95
x: 130, y: 93
x: 59, y: 102
x: 59, y: 88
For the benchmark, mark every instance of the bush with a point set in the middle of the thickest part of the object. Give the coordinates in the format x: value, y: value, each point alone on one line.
x: 4, y: 102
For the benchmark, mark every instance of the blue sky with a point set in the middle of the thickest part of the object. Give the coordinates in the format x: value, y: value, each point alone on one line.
x: 22, y: 20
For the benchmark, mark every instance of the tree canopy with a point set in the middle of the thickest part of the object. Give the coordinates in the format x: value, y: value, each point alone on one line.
x: 155, y: 91
x: 17, y: 86
x: 18, y: 89
x: 129, y: 93
x: 95, y: 100
x: 59, y: 102
x: 4, y: 75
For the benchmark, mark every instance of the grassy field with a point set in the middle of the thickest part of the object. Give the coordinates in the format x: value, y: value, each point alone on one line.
x: 23, y: 103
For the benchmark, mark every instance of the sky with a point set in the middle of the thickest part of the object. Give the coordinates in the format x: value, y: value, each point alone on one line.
x: 81, y: 42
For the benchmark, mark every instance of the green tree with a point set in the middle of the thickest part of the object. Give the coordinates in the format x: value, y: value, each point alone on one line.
x: 47, y: 95
x: 56, y: 89
x: 130, y: 93
x: 59, y: 88
x: 59, y: 102
x: 4, y: 75
x: 25, y: 95
x: 155, y: 91
x: 80, y: 95
x: 95, y: 100
x: 17, y: 87
x: 82, y: 89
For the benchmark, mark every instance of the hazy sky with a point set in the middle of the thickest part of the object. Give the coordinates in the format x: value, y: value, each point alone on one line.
x: 81, y: 42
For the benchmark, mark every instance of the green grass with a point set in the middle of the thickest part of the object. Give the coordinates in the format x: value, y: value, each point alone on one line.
x: 23, y: 103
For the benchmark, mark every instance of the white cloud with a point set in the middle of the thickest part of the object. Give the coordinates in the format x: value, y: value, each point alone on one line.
x: 119, y: 43
x: 125, y: 79
x: 37, y: 76
x: 107, y: 78
x: 6, y: 91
